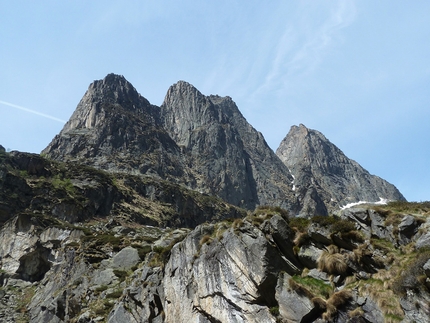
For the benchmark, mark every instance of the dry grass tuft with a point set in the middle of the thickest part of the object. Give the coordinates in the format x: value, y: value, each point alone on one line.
x: 205, y: 239
x: 336, y: 301
x: 339, y: 298
x: 360, y: 252
x: 332, y: 262
x: 377, y: 288
x: 237, y: 223
x: 301, y: 238
x: 319, y: 303
x: 350, y: 280
x: 357, y: 312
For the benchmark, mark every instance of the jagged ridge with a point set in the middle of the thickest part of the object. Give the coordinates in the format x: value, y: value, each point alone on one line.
x: 324, y: 176
x: 205, y: 143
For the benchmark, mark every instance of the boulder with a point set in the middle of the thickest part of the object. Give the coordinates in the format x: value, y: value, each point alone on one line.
x: 320, y: 234
x: 125, y: 259
x: 308, y: 255
x: 292, y: 305
x: 408, y: 227
x: 423, y: 241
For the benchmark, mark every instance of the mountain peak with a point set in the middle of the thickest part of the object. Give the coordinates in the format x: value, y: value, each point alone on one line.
x: 183, y: 92
x: 113, y: 89
x: 205, y: 143
x: 334, y: 179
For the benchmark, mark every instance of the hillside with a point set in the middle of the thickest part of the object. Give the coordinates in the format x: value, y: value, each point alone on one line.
x: 75, y: 247
x: 183, y: 213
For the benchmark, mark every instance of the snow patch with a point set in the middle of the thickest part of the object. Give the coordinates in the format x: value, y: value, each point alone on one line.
x: 292, y: 182
x: 381, y: 201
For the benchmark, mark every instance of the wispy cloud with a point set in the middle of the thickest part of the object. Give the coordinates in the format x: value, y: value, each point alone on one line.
x: 298, y: 53
x: 32, y: 111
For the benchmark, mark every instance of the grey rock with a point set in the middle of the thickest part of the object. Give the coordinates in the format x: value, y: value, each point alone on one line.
x: 372, y: 313
x: 361, y: 218
x: 212, y: 149
x: 292, y: 306
x: 423, y: 241
x: 426, y: 268
x: 226, y: 290
x: 325, y: 177
x: 125, y: 259
x: 319, y: 234
x: 378, y: 227
x: 205, y: 143
x: 308, y: 255
x: 408, y: 227
x: 104, y: 277
x: 120, y: 315
x: 317, y: 274
x: 416, y: 308
x: 232, y: 159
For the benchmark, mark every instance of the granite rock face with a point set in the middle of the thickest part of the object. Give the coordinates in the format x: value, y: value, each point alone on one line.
x: 324, y: 178
x: 205, y: 144
x: 230, y: 271
x: 116, y: 129
x: 228, y: 156
x: 201, y: 142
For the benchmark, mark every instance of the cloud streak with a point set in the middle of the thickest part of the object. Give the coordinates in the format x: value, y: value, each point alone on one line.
x: 32, y: 111
x: 299, y: 54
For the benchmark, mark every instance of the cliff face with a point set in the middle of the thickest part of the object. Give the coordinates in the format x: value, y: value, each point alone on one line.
x: 324, y: 178
x: 228, y: 157
x: 114, y: 128
x: 201, y: 142
x: 204, y: 143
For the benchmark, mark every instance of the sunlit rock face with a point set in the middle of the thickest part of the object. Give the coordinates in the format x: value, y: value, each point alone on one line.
x: 324, y: 178
x: 204, y: 143
x: 228, y: 156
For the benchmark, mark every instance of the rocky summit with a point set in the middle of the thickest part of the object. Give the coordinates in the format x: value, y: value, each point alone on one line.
x: 204, y: 143
x: 324, y: 178
x: 183, y: 213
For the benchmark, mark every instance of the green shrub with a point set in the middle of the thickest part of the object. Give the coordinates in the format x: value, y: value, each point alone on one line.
x: 115, y: 294
x: 301, y: 224
x: 23, y: 173
x: 63, y: 184
x: 323, y: 220
x: 274, y: 310
x: 411, y: 276
x: 342, y: 226
x: 142, y: 250
x: 100, y: 289
x: 102, y: 240
x: 315, y: 286
x: 121, y: 274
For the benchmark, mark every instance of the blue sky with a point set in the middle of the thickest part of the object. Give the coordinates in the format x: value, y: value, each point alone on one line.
x: 357, y: 71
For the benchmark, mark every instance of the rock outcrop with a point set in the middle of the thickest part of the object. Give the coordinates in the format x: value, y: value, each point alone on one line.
x: 114, y: 128
x: 261, y: 268
x: 324, y: 178
x: 228, y: 157
x: 205, y: 144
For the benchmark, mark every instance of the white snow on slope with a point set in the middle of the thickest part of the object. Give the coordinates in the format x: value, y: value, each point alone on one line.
x: 381, y: 201
x: 292, y: 182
